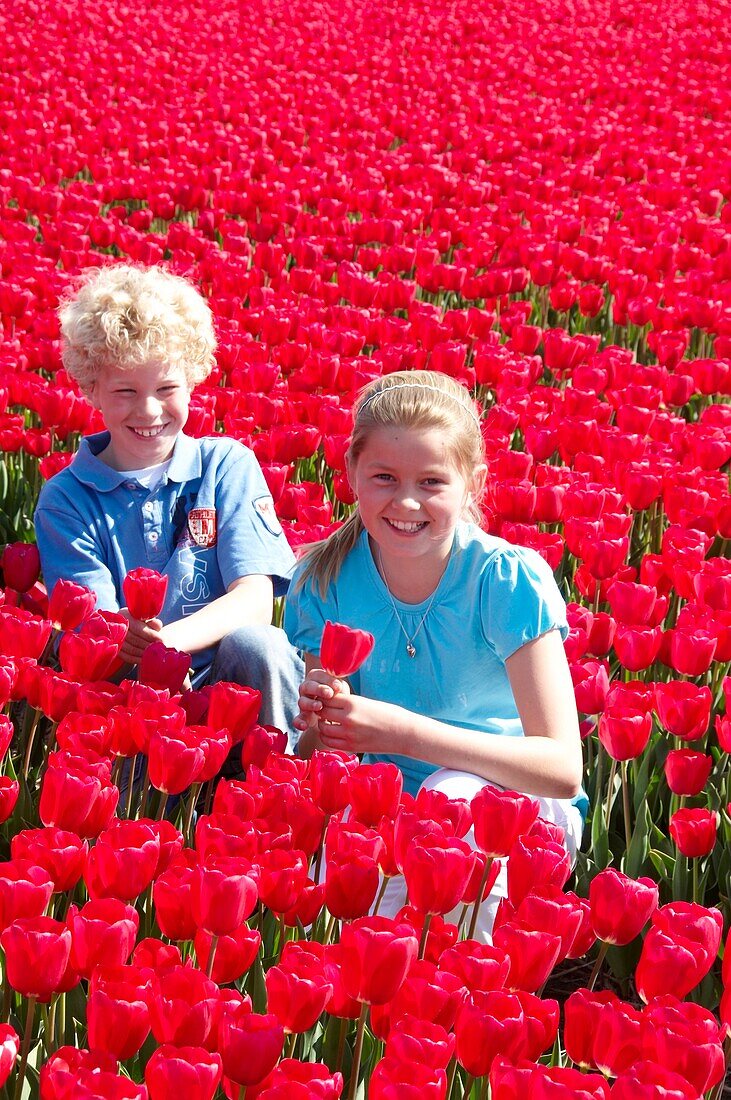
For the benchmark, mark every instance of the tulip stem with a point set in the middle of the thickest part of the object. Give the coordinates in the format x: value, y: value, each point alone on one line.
x: 131, y: 786
x: 357, y: 1051
x: 194, y: 791
x: 161, y: 806
x: 468, y: 1083
x: 145, y: 791
x: 51, y: 1033
x: 597, y: 966
x: 625, y: 804
x: 342, y: 1034
x: 26, y: 1048
x: 30, y: 742
x: 384, y: 883
x: 424, y: 934
x: 696, y: 899
x: 211, y: 956
x: 320, y: 850
x: 610, y: 791
x: 478, y: 899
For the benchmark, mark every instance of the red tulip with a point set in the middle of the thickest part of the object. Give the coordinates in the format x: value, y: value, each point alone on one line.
x: 500, y: 817
x: 21, y: 565
x: 344, y: 649
x: 176, y: 758
x: 22, y: 634
x: 376, y: 955
x: 687, y: 772
x: 25, y: 891
x: 182, y: 1006
x: 144, y: 593
x: 163, y: 667
x: 62, y: 854
x: 86, y: 658
x: 525, y: 1081
x: 624, y: 733
x: 534, y: 863
x: 329, y: 774
x: 9, y: 791
x: 533, y: 955
x: 351, y: 884
x: 102, y: 932
x: 678, y: 950
x: 694, y: 831
x: 233, y: 707
x: 234, y: 955
x: 124, y: 860
x: 488, y: 1025
x: 224, y: 893
x: 621, y: 906
x: 172, y: 893
x: 183, y: 1071
x: 70, y: 604
x: 298, y: 988
x: 375, y: 792
x: 317, y: 1080
x: 393, y: 1079
x: 250, y: 1045
x: 650, y: 1081
x: 76, y: 796
x: 683, y: 708
x: 687, y: 1039
x: 36, y: 955
x: 437, y: 871
x: 118, y: 1018
x: 9, y: 1050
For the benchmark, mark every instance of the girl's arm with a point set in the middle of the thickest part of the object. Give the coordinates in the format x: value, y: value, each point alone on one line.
x: 547, y: 761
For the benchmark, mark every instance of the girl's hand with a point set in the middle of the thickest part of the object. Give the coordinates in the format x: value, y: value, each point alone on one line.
x: 315, y: 692
x: 356, y: 724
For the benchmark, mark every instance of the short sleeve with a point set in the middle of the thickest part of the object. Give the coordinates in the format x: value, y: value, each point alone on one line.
x: 69, y: 550
x: 250, y: 537
x: 305, y: 614
x: 520, y: 600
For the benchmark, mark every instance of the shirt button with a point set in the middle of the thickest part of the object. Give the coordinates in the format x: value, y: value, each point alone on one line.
x: 147, y: 509
x: 153, y: 536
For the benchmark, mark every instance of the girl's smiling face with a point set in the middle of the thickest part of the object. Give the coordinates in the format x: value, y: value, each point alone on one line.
x: 411, y: 495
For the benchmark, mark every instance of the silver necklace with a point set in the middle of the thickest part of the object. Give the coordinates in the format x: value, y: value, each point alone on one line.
x: 410, y: 638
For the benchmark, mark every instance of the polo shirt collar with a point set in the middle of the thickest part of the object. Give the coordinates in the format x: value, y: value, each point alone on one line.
x: 89, y: 469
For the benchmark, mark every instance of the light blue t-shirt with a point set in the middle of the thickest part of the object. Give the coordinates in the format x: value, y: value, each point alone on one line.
x: 208, y: 522
x: 491, y: 600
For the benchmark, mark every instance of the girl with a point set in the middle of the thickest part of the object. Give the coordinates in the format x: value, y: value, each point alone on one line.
x: 467, y: 683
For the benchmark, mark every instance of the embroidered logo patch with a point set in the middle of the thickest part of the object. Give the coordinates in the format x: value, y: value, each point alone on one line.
x: 202, y: 527
x: 265, y: 508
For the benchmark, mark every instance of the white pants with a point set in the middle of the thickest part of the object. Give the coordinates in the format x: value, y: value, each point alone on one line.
x: 465, y: 785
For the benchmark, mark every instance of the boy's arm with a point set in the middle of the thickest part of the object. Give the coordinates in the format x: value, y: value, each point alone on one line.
x: 70, y: 550
x: 249, y: 601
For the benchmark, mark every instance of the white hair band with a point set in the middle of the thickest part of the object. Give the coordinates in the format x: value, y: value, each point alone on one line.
x: 420, y: 386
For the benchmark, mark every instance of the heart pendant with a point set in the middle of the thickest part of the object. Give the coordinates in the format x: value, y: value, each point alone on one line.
x: 410, y: 650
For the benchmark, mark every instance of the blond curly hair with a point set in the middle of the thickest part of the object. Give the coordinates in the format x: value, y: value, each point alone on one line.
x: 123, y: 316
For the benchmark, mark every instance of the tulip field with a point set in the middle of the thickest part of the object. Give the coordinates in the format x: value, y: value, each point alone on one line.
x: 536, y: 200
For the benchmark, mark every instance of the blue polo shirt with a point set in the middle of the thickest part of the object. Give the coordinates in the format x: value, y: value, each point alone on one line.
x: 210, y: 521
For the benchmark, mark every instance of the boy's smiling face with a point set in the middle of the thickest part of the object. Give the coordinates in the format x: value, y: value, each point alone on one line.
x: 144, y: 408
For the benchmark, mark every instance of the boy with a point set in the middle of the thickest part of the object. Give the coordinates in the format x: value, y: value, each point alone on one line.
x: 144, y: 494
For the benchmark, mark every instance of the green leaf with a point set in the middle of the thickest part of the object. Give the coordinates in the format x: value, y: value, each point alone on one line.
x: 639, y: 846
x: 663, y: 863
x: 599, y: 839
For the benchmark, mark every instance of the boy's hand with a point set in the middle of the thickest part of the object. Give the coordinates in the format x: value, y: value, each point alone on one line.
x: 139, y: 635
x: 315, y: 692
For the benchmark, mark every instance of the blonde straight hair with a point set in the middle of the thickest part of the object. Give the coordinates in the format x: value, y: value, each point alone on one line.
x: 422, y: 400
